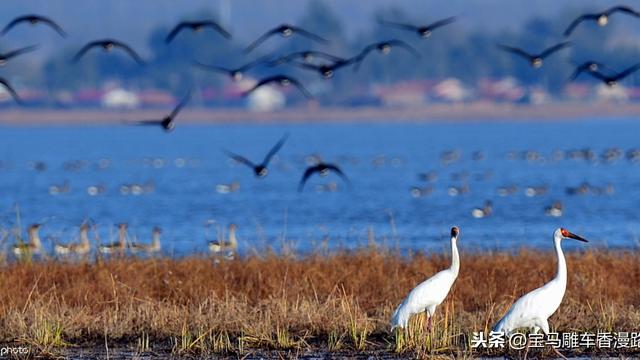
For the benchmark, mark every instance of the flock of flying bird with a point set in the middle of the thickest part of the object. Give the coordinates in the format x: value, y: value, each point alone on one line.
x: 308, y: 60
x: 328, y: 63
x: 596, y: 69
x: 530, y: 311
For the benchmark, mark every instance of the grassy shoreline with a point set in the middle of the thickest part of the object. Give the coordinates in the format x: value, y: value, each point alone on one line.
x: 336, y: 303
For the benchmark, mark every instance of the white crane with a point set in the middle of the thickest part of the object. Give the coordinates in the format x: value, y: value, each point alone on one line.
x: 431, y: 292
x: 533, y: 309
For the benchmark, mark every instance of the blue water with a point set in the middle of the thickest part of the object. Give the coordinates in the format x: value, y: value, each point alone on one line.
x: 185, y: 166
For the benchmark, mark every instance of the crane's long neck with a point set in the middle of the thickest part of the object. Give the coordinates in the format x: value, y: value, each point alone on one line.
x: 561, y: 275
x: 455, y: 258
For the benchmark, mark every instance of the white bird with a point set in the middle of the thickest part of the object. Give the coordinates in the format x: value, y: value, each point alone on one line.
x: 533, y: 309
x: 431, y: 292
x: 484, y: 211
x: 554, y: 210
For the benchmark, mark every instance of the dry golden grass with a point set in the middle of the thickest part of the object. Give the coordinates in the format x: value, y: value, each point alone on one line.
x: 336, y: 302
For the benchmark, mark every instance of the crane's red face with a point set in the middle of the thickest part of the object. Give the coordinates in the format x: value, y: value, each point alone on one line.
x: 455, y: 231
x: 569, y: 235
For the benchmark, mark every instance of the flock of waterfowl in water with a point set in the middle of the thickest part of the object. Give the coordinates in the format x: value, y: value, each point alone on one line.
x: 221, y: 246
x: 325, y: 65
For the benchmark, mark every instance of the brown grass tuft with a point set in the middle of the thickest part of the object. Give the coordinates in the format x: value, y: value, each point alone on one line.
x: 337, y: 302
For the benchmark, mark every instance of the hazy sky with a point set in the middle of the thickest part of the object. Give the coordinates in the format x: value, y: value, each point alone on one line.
x: 133, y: 19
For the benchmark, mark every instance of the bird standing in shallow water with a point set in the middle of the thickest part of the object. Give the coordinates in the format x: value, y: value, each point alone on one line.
x: 120, y: 245
x: 260, y: 170
x: 484, y: 211
x: 555, y: 209
x: 153, y: 247
x: 33, y: 246
x: 81, y: 248
x: 227, y: 248
x: 431, y: 292
x: 534, y: 309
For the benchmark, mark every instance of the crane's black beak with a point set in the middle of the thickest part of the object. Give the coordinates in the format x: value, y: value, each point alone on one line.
x: 576, y: 237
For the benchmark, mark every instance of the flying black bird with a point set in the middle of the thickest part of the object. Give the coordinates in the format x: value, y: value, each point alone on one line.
x: 259, y: 169
x: 11, y: 54
x: 285, y: 30
x: 587, y: 66
x: 196, y: 26
x: 325, y: 70
x: 168, y: 122
x: 108, y: 45
x: 33, y: 20
x: 613, y: 80
x: 323, y: 169
x: 281, y: 80
x: 601, y: 18
x: 535, y: 60
x: 237, y: 73
x: 10, y: 90
x: 384, y: 47
x: 424, y: 31
x: 307, y: 56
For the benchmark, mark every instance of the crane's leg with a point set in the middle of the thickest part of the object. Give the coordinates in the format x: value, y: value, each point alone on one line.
x: 558, y: 353
x: 431, y: 310
x: 526, y: 350
x: 544, y: 325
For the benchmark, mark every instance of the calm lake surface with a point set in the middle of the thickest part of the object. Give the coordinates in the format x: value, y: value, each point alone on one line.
x: 60, y: 176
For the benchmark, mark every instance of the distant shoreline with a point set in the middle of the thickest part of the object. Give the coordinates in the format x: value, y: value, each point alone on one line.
x: 480, y: 111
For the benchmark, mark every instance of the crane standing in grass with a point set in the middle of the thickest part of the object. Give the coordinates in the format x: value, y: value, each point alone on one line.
x: 431, y: 292
x: 533, y: 309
